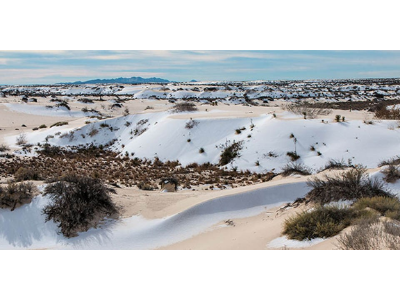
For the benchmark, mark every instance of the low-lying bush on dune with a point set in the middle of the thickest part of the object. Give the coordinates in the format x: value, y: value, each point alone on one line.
x: 78, y: 203
x: 15, y: 195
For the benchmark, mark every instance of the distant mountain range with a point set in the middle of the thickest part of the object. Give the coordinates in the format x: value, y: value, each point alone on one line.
x: 131, y: 80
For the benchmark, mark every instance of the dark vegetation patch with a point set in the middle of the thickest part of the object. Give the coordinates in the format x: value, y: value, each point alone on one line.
x: 16, y: 194
x: 184, y: 106
x: 98, y: 162
x: 59, y: 124
x: 352, y: 184
x: 230, y: 152
x: 78, y: 203
x: 293, y: 155
x: 295, y: 168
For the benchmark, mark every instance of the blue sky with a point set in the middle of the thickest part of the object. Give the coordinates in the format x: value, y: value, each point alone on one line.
x: 46, y: 67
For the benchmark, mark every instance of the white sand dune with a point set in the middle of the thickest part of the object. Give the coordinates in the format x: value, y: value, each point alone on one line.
x: 136, y: 232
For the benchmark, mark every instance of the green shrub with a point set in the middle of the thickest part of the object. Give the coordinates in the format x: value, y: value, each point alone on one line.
x: 389, y: 207
x: 59, y: 124
x: 321, y: 222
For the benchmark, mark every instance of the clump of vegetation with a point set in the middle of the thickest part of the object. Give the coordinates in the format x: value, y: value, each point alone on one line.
x: 63, y: 104
x: 184, y: 106
x: 337, y: 118
x: 23, y: 174
x: 293, y: 155
x: 325, y: 221
x: 230, y: 152
x: 15, y: 195
x: 392, y: 173
x: 201, y: 150
x: 336, y: 164
x: 21, y: 139
x: 191, y: 123
x: 352, y: 184
x: 383, y: 112
x: 93, y: 131
x: 42, y: 126
x: 146, y: 186
x: 239, y: 130
x: 371, y: 234
x: 78, y: 203
x: 4, y: 148
x: 321, y: 222
x: 393, y: 161
x: 306, y: 110
x: 295, y: 168
x: 59, y: 124
x: 385, y: 206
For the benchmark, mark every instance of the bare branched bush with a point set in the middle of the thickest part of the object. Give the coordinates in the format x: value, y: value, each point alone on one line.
x: 230, y: 152
x: 4, y: 148
x: 23, y: 174
x: 307, y: 111
x: 184, y: 106
x: 21, y: 139
x: 371, y: 234
x: 392, y: 173
x: 15, y: 195
x: 383, y: 112
x: 78, y: 203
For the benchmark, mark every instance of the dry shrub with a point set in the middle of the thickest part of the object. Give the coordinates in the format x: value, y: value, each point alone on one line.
x: 392, y: 173
x: 230, y: 152
x: 304, y: 109
x: 21, y: 139
x: 295, y: 168
x: 15, y: 195
x: 78, y: 203
x: 184, y: 106
x: 382, y: 112
x: 371, y: 234
x: 352, y: 184
x: 23, y: 174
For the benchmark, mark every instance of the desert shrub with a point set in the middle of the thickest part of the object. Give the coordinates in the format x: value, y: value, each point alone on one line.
x: 51, y: 151
x: 21, y: 139
x: 371, y: 234
x: 15, y: 195
x: 59, y: 124
x: 201, y: 150
x: 149, y: 107
x: 335, y: 164
x: 42, y: 126
x: 382, y: 112
x: 23, y: 174
x: 4, y: 148
x: 304, y: 109
x: 337, y: 118
x: 321, y: 222
x: 230, y: 152
x: 78, y: 203
x: 386, y: 206
x: 295, y: 168
x: 352, y: 184
x: 63, y: 104
x: 191, y: 123
x: 184, y: 106
x: 293, y: 155
x: 392, y: 173
x: 393, y: 161
x: 93, y: 131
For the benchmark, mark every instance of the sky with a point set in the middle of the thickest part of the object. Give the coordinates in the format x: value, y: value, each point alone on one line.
x: 49, y: 67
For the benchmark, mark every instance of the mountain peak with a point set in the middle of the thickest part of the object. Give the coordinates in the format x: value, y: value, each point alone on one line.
x: 131, y: 80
